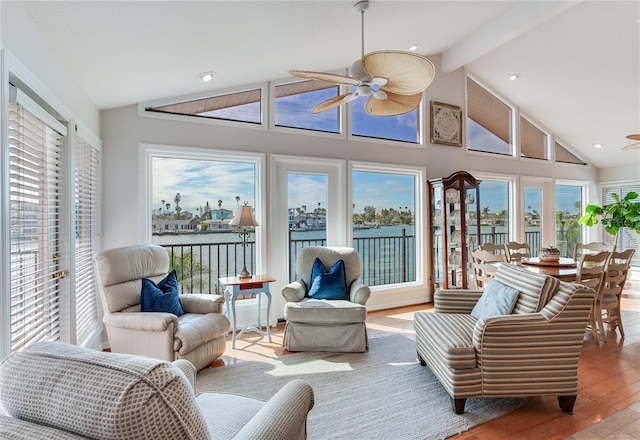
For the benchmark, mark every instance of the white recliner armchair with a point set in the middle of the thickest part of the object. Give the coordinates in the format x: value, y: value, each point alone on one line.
x: 334, y: 325
x: 199, y: 335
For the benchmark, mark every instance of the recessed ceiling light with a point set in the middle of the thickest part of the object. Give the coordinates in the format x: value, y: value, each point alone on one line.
x: 206, y: 76
x: 597, y: 145
x: 414, y: 47
x: 514, y: 76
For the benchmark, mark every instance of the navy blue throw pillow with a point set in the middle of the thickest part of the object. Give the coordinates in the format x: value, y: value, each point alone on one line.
x: 328, y: 285
x: 161, y: 297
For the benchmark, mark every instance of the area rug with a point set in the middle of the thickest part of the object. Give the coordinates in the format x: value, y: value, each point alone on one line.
x: 381, y: 394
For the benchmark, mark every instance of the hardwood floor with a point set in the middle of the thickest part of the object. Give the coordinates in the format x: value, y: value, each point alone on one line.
x: 609, y: 375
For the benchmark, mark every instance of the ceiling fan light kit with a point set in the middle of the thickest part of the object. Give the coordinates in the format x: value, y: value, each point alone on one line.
x: 636, y: 145
x: 393, y: 80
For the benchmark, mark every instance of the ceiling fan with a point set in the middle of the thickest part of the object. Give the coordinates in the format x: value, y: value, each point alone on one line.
x: 633, y: 137
x: 393, y: 80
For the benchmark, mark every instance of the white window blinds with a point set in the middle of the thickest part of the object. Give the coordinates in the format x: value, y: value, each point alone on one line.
x: 86, y: 180
x: 35, y: 193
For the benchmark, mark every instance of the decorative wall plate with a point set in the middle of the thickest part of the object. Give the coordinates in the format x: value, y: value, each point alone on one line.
x: 446, y: 124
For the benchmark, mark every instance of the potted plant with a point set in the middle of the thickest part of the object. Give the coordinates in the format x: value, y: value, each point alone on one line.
x: 621, y: 213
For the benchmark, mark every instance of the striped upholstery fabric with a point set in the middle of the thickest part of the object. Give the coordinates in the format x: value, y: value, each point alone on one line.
x: 523, y: 354
x: 534, y: 290
x: 450, y: 301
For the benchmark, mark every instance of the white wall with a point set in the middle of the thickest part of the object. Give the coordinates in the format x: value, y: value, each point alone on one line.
x: 40, y: 69
x: 123, y: 130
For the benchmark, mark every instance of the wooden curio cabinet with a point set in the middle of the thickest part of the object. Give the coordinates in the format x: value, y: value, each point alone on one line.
x: 455, y: 229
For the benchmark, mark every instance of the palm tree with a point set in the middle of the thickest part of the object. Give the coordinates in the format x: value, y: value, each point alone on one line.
x: 485, y: 212
x: 163, y: 202
x: 219, y: 204
x: 178, y: 199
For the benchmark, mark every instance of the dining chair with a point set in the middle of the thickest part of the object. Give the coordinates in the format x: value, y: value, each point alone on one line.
x: 517, y: 251
x: 590, y: 248
x: 485, y: 266
x: 616, y: 277
x: 591, y: 273
x: 494, y: 248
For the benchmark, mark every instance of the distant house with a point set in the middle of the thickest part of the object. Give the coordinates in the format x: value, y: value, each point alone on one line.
x: 221, y: 214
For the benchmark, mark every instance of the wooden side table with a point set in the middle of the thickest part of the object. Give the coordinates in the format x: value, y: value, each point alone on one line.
x: 257, y: 286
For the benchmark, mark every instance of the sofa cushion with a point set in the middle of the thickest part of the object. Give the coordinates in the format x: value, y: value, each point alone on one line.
x: 328, y: 284
x: 161, y: 297
x: 497, y: 299
x: 314, y: 311
x: 100, y: 395
x: 535, y: 290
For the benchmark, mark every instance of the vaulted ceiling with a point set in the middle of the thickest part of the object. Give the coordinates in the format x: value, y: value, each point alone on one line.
x: 578, y: 61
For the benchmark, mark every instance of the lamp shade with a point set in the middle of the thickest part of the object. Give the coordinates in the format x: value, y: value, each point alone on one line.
x: 244, y: 217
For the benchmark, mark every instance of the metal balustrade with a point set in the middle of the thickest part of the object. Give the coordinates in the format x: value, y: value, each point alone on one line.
x: 385, y: 260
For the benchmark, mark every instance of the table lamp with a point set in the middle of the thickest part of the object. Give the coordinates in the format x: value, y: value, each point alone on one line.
x: 244, y: 219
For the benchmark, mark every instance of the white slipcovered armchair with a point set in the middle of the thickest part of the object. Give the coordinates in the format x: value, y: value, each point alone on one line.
x: 198, y: 336
x: 326, y: 324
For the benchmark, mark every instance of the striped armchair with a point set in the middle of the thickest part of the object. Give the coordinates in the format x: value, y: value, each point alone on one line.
x: 534, y: 351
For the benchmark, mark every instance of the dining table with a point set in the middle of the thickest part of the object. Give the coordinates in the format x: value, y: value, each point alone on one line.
x: 565, y: 269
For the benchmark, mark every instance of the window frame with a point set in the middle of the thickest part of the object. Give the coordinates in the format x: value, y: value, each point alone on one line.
x: 264, y: 102
x: 148, y: 151
x: 293, y: 130
x: 420, y: 219
x: 548, y: 138
x: 513, y: 126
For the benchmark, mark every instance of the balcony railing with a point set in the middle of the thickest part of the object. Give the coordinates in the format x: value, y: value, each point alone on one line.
x: 385, y: 259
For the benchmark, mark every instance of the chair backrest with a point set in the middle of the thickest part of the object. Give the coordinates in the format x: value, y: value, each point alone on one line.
x: 617, y: 271
x: 120, y: 272
x: 485, y: 265
x: 493, y: 248
x: 328, y: 256
x: 590, y: 248
x: 592, y: 271
x: 517, y: 251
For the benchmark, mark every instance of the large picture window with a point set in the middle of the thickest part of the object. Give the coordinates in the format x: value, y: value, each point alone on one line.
x: 193, y: 196
x: 384, y: 223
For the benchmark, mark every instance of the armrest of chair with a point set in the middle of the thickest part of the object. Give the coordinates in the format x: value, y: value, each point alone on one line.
x: 295, y: 291
x: 455, y: 300
x: 146, y: 321
x: 359, y: 293
x: 201, y: 303
x: 189, y: 371
x: 284, y: 416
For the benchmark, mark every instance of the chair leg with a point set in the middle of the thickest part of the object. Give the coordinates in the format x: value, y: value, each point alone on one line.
x: 619, y: 319
x: 594, y: 328
x: 566, y: 403
x: 601, y: 329
x: 458, y: 405
x: 422, y: 361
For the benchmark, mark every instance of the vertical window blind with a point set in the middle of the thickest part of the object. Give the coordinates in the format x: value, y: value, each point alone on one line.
x: 35, y: 160
x: 86, y: 180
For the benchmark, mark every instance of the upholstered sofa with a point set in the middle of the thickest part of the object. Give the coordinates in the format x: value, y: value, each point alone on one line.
x: 199, y: 335
x: 532, y: 351
x: 58, y: 391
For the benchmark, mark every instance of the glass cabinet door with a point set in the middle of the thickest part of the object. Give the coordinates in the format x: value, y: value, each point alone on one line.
x: 455, y: 229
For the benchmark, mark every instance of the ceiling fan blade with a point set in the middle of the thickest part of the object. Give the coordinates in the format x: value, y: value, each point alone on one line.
x: 334, y: 102
x: 407, y: 73
x: 326, y: 77
x: 632, y: 146
x: 394, y: 105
